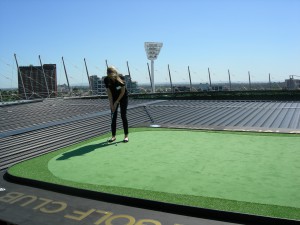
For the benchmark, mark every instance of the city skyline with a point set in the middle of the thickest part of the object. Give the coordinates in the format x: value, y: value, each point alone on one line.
x: 260, y: 37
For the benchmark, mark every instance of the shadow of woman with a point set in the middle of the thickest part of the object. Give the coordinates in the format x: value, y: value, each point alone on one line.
x: 81, y: 151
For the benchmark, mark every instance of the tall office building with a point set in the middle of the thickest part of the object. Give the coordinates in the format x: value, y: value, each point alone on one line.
x: 97, y: 85
x: 32, y: 83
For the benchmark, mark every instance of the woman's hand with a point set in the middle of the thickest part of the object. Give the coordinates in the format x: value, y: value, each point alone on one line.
x: 115, y: 105
x: 112, y: 108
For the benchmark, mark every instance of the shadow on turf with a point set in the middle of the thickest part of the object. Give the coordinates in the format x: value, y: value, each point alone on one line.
x: 84, y: 150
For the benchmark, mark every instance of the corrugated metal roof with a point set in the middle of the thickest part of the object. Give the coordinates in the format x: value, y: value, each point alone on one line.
x: 30, y: 130
x: 238, y: 114
x: 25, y: 115
x: 33, y: 135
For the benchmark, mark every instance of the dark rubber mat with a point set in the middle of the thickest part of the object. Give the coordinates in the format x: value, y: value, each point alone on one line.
x: 24, y: 205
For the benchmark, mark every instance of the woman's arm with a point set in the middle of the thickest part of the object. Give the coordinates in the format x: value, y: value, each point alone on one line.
x: 111, y: 103
x: 120, y: 96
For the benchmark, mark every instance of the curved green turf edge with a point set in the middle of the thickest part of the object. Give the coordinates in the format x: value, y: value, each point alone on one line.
x: 25, y: 170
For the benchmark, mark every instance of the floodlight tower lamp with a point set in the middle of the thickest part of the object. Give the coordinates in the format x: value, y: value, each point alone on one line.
x: 152, y: 51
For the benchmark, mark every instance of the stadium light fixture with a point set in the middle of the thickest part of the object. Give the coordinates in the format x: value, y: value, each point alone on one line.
x: 152, y: 51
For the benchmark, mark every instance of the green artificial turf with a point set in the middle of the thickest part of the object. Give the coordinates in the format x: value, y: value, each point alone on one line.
x: 255, y: 173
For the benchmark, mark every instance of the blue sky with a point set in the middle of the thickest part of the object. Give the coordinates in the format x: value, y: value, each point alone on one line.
x: 260, y: 36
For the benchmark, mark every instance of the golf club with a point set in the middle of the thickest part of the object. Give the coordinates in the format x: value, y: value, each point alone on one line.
x: 111, y: 118
x: 111, y: 121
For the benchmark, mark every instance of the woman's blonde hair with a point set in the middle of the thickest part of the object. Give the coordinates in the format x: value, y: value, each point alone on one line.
x: 113, y: 74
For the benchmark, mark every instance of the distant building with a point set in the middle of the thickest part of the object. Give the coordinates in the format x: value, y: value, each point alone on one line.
x: 181, y: 89
x: 93, y: 82
x: 63, y: 88
x: 292, y: 84
x: 97, y: 85
x: 32, y: 83
x: 217, y: 87
x: 204, y: 87
x: 132, y: 86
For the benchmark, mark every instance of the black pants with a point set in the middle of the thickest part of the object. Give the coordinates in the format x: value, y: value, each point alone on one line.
x: 123, y: 106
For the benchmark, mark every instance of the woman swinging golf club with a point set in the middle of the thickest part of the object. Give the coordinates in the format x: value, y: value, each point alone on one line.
x: 117, y: 95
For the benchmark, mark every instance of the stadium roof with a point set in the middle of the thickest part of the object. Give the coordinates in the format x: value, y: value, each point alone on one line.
x: 28, y: 130
x: 32, y: 129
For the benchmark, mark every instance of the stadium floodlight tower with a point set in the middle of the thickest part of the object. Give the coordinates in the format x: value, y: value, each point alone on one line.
x: 152, y: 50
